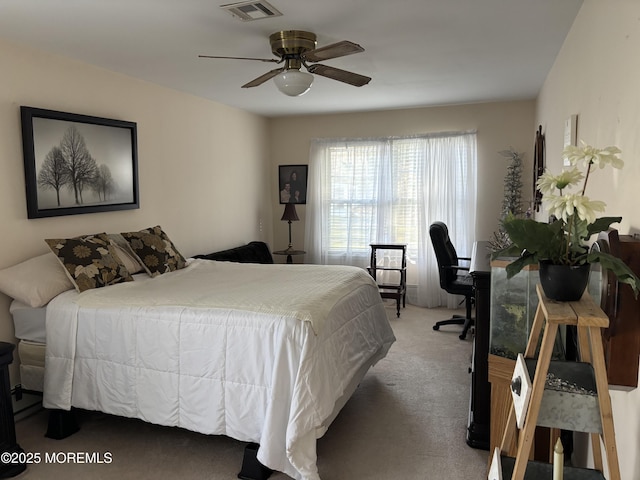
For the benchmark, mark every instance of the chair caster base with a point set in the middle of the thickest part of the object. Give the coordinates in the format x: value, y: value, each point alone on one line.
x: 457, y: 320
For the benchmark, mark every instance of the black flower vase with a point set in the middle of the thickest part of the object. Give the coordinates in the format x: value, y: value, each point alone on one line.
x: 564, y: 283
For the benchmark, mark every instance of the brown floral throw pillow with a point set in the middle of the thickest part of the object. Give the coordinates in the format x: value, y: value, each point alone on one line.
x: 155, y: 250
x: 90, y: 261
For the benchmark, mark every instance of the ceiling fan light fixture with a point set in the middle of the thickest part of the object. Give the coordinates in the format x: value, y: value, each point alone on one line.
x: 293, y: 82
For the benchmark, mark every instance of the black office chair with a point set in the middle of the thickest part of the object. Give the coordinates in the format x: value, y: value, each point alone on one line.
x: 454, y: 277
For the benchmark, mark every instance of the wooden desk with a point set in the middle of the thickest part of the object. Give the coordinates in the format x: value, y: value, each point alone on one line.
x: 479, y: 423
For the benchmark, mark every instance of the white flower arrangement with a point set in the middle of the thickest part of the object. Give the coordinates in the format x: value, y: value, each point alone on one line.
x: 564, y: 241
x: 568, y: 204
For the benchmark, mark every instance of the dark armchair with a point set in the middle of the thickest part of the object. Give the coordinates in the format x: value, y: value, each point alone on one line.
x: 454, y: 277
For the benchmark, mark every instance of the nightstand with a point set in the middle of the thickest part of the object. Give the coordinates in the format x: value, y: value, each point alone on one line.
x: 289, y: 252
x: 8, y: 429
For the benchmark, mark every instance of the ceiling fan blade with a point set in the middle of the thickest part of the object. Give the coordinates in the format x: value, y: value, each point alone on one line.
x: 243, y: 58
x: 263, y: 78
x: 340, y: 75
x: 334, y: 50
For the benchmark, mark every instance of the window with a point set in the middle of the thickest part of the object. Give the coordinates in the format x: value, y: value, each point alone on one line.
x: 390, y: 190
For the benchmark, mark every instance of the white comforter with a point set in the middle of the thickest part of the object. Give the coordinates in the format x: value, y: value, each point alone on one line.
x: 261, y: 353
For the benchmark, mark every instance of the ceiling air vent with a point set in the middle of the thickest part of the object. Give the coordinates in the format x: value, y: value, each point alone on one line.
x: 249, y: 11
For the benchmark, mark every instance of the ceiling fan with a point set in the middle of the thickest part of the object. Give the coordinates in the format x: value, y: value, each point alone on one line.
x: 297, y: 48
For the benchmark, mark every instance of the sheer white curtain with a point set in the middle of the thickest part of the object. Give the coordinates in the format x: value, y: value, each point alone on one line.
x: 381, y: 190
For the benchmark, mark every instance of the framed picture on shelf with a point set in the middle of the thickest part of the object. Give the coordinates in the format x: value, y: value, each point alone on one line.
x: 77, y: 163
x: 292, y: 183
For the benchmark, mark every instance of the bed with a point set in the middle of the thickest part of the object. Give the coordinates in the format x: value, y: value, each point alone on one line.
x: 30, y: 329
x: 266, y: 354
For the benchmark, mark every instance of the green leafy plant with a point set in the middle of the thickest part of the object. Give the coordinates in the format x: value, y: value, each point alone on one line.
x: 564, y: 241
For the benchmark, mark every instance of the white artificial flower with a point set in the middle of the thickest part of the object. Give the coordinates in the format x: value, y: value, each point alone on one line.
x: 586, y: 209
x: 567, y: 205
x: 593, y: 156
x: 548, y: 182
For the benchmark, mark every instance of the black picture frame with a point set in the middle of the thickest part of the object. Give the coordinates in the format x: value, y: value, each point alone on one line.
x: 286, y: 174
x: 75, y: 164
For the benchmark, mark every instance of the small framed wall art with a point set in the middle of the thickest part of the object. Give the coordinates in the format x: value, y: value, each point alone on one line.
x: 292, y: 181
x: 570, y: 134
x: 78, y: 163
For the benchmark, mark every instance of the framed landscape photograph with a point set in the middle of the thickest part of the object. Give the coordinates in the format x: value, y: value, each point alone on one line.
x: 78, y: 163
x: 293, y: 183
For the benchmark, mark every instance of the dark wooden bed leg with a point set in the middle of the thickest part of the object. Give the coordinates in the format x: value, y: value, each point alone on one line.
x: 62, y: 424
x: 252, y: 469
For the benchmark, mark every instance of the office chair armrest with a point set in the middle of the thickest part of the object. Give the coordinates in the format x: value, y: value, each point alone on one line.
x: 466, y: 260
x: 456, y: 267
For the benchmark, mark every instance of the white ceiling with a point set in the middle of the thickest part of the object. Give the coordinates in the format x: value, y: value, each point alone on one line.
x: 418, y: 52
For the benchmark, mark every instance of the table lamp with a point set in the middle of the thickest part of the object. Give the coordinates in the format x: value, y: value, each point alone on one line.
x: 290, y: 215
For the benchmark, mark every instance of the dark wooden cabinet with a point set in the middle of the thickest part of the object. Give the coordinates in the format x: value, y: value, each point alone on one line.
x: 479, y: 406
x: 8, y: 444
x: 622, y: 338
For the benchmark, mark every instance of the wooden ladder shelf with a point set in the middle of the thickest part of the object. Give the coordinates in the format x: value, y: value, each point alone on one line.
x: 580, y: 396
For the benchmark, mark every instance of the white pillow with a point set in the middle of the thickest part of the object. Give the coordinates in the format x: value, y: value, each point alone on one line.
x: 35, y: 281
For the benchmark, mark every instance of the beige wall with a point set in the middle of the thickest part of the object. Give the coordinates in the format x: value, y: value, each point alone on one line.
x: 597, y: 76
x: 202, y: 166
x: 499, y: 126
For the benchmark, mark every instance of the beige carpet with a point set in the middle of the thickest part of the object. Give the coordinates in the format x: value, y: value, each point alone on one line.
x: 407, y: 420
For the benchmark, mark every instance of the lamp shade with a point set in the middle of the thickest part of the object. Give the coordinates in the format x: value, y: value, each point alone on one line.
x: 290, y: 213
x: 293, y: 82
